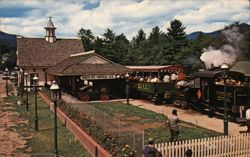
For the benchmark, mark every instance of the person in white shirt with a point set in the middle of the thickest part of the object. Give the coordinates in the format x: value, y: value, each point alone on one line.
x: 173, y: 77
x: 149, y: 78
x: 166, y: 78
x: 248, y: 119
x: 155, y: 79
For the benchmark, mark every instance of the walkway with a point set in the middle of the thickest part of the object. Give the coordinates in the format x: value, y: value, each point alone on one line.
x: 191, y: 116
x: 11, y: 142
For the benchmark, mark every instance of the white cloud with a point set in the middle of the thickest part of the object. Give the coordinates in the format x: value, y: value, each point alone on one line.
x: 122, y: 16
x: 214, y: 15
x: 205, y: 27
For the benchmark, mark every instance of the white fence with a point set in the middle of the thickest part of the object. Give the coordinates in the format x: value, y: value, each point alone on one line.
x: 221, y: 146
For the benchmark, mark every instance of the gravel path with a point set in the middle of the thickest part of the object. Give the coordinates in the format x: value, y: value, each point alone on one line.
x: 11, y: 142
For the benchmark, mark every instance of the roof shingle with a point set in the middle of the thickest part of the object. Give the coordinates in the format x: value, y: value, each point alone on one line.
x: 73, y: 66
x: 39, y: 52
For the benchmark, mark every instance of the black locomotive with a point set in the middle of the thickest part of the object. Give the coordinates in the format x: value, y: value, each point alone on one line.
x: 208, y: 91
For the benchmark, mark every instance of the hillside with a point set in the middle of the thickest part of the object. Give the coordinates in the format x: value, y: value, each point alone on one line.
x: 8, y: 40
x: 194, y: 36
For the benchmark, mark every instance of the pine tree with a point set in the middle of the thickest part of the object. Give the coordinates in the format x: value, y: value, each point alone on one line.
x: 87, y: 38
x: 177, y: 38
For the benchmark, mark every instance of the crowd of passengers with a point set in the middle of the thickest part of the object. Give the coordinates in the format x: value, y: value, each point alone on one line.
x: 173, y: 77
x: 229, y: 81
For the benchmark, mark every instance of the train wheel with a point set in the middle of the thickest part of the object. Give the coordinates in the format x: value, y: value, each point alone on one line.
x: 211, y: 112
x: 184, y: 105
x: 150, y: 96
x: 104, y: 96
x: 84, y: 97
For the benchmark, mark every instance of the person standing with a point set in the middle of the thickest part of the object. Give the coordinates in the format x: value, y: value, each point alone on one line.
x: 150, y: 150
x: 166, y: 78
x: 173, y: 124
x: 248, y: 119
x: 173, y: 77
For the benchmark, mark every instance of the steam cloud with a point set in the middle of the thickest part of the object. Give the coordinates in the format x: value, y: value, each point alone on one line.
x: 227, y: 53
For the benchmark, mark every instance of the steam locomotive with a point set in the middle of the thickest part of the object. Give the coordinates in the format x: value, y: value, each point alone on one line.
x: 210, y: 90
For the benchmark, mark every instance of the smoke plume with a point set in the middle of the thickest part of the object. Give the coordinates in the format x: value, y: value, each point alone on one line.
x: 227, y: 53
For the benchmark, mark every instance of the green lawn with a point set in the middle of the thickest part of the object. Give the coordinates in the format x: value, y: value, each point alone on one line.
x: 42, y: 142
x: 145, y: 116
x: 160, y: 134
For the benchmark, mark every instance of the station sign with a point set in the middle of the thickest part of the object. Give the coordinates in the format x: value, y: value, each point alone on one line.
x: 98, y: 77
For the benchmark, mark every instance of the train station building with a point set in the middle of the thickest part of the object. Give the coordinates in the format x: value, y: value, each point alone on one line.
x: 65, y: 61
x: 90, y: 76
x: 36, y: 55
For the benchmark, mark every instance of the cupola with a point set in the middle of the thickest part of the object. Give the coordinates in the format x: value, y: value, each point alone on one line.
x: 50, y: 31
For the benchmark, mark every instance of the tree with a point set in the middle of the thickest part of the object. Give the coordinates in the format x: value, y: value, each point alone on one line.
x: 138, y: 39
x: 7, y: 56
x: 154, y: 36
x: 122, y: 48
x: 87, y: 38
x: 177, y: 38
x: 109, y: 36
x: 9, y: 59
x: 176, y: 30
x: 98, y: 45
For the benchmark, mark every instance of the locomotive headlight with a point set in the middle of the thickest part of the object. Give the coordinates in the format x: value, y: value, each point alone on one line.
x: 224, y: 68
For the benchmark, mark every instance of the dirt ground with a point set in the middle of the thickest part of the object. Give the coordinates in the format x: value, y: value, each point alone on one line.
x: 12, y: 142
x: 137, y: 125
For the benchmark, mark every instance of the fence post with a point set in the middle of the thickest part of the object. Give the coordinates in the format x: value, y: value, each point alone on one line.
x: 119, y: 128
x: 143, y: 139
x: 134, y: 140
x: 96, y: 151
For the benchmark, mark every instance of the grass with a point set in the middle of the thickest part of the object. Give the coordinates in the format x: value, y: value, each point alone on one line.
x: 145, y: 116
x: 187, y: 132
x: 42, y: 141
x: 160, y: 134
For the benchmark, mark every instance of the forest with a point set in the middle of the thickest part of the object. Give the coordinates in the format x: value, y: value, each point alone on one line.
x: 159, y: 48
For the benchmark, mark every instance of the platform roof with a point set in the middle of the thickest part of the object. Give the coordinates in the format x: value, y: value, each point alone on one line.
x: 155, y: 68
x: 87, y: 64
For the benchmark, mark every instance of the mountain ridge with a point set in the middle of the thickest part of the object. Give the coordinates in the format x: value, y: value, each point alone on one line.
x: 8, y: 40
x: 214, y: 34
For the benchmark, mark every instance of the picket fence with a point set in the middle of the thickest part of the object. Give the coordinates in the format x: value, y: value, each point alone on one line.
x: 221, y: 146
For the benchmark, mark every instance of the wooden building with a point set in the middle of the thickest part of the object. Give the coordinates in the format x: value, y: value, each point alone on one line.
x: 35, y: 55
x: 89, y: 76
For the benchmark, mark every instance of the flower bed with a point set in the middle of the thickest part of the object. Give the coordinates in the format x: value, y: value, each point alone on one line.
x: 108, y: 141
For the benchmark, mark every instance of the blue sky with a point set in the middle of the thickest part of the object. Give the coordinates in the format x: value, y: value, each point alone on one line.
x: 29, y: 17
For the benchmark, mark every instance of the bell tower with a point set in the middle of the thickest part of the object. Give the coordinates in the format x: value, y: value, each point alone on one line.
x: 50, y: 31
